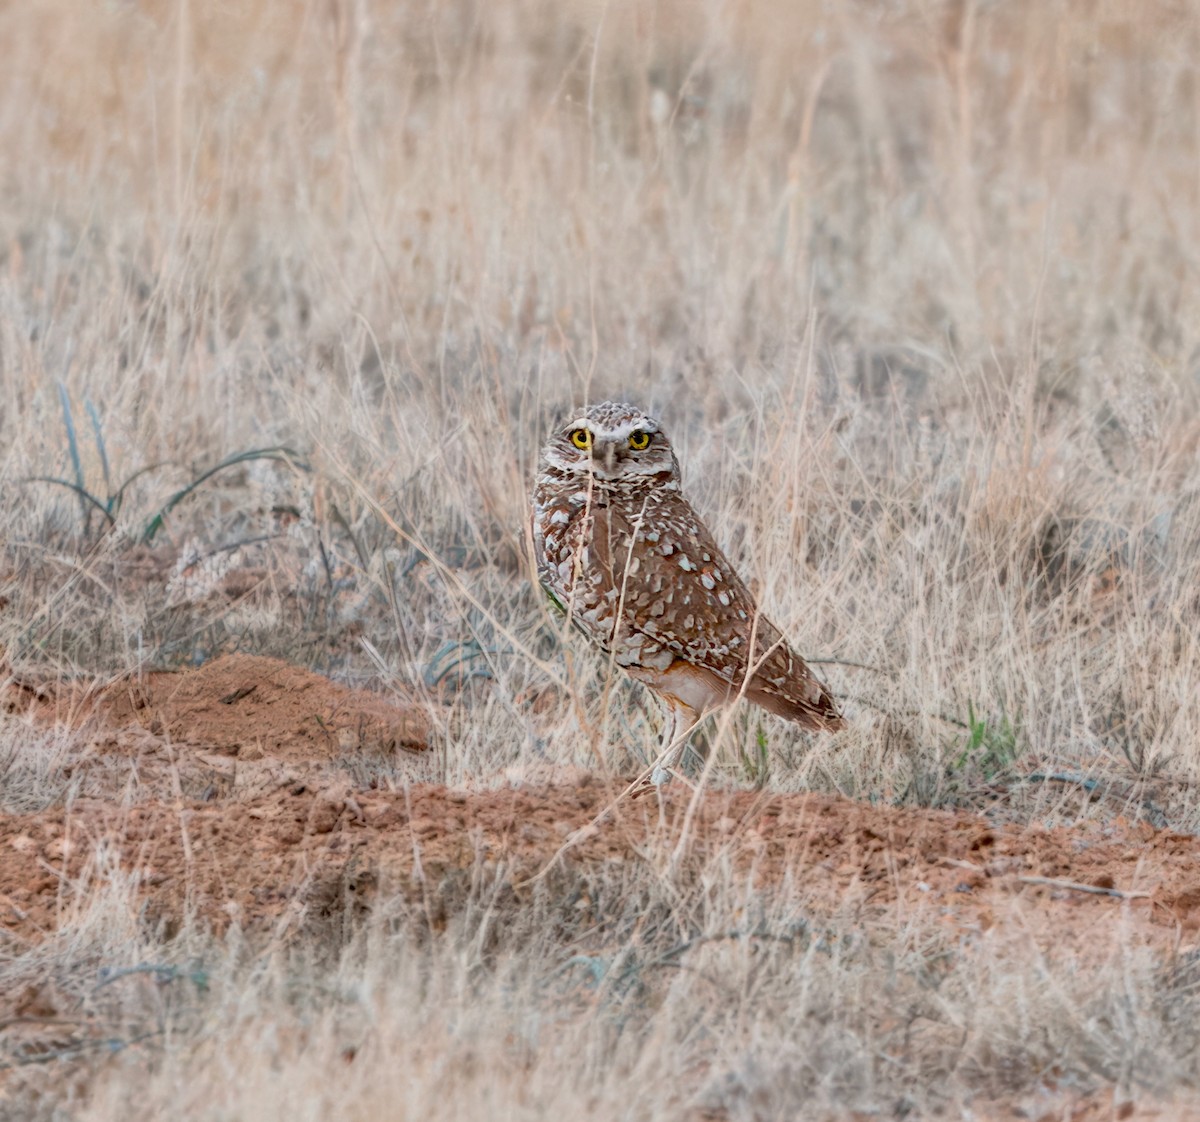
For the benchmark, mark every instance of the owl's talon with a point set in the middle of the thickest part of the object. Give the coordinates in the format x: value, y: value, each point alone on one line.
x: 648, y: 784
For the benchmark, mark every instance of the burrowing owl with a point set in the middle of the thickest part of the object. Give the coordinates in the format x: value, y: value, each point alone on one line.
x: 623, y: 553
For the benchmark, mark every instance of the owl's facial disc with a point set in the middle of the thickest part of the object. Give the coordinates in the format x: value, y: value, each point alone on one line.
x: 632, y: 449
x: 611, y: 443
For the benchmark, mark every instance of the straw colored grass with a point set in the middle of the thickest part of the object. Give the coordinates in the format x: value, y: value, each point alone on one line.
x: 913, y: 289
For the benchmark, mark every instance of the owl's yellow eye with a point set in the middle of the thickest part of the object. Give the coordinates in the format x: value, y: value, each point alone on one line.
x: 639, y: 440
x: 581, y: 438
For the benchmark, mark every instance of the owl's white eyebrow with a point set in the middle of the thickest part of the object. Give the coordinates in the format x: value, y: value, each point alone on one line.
x: 621, y: 432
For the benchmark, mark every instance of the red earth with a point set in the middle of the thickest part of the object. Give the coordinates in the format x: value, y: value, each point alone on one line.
x: 214, y: 788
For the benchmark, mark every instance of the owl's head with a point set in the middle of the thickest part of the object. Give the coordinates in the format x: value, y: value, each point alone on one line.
x: 613, y: 443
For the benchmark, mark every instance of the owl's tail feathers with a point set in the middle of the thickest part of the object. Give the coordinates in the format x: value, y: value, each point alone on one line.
x: 801, y: 698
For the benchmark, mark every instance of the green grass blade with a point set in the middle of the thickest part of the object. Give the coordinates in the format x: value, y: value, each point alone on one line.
x: 280, y: 452
x: 73, y: 445
x: 115, y: 500
x: 86, y: 498
x: 98, y: 433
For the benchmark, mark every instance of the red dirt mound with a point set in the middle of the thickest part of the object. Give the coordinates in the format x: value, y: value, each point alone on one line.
x: 250, y: 707
x: 236, y: 726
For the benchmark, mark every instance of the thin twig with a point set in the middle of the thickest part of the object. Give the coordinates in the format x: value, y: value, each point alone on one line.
x: 670, y: 957
x: 844, y: 662
x: 1091, y: 889
x: 1088, y: 785
x: 887, y: 712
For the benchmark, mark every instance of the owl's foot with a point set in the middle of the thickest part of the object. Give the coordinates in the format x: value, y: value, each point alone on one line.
x: 687, y: 759
x: 658, y: 779
x: 653, y: 783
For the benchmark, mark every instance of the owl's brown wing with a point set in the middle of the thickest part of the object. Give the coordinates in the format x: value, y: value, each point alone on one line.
x: 674, y: 591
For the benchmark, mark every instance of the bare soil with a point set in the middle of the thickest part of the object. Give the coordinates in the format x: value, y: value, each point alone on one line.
x: 218, y: 797
x: 237, y: 725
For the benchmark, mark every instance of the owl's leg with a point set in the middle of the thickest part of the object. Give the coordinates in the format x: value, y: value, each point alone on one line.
x: 696, y: 750
x: 677, y: 727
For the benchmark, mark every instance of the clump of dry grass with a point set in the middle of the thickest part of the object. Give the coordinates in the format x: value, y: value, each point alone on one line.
x: 607, y: 993
x: 910, y: 288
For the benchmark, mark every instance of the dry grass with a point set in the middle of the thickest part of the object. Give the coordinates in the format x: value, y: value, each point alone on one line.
x: 914, y: 289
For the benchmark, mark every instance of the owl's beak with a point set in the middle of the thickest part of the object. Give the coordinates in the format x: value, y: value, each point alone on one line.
x: 608, y: 456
